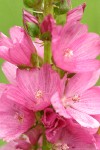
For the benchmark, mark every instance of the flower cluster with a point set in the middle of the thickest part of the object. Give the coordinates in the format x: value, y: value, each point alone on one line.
x: 51, y: 101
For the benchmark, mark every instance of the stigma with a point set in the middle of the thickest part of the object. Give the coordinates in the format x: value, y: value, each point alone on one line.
x: 68, y: 53
x: 38, y: 94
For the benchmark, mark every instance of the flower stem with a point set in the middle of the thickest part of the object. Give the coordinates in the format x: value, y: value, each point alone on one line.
x: 47, y: 52
x: 48, y: 9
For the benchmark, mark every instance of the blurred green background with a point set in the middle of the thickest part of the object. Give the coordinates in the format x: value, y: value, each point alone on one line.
x: 11, y: 14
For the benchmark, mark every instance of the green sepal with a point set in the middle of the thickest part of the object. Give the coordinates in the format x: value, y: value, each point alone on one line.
x: 36, y: 60
x: 61, y: 19
x: 33, y: 29
x: 23, y: 67
x: 46, y: 36
x: 32, y: 3
x: 46, y: 145
x: 61, y: 7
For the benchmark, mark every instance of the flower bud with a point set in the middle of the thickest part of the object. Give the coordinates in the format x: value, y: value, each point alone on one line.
x: 61, y: 7
x: 28, y: 17
x: 33, y: 29
x: 32, y: 3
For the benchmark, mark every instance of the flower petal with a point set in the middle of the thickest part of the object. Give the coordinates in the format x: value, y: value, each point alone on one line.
x: 81, y: 82
x: 89, y: 102
x: 83, y: 119
x: 10, y: 72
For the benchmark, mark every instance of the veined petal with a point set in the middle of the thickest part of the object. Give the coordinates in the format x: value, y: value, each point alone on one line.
x: 10, y: 72
x: 14, y: 119
x: 76, y: 13
x: 3, y: 87
x: 59, y: 108
x: 16, y: 33
x: 35, y: 87
x: 81, y: 82
x: 83, y: 119
x: 89, y: 102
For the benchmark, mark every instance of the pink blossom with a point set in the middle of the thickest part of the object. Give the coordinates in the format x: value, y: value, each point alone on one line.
x: 14, y: 119
x: 73, y: 136
x: 66, y: 134
x: 17, y: 49
x: 76, y: 13
x: 80, y: 100
x: 53, y: 124
x: 35, y: 87
x: 74, y: 49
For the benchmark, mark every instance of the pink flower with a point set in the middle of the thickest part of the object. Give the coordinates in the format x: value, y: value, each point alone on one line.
x: 66, y: 133
x: 53, y: 124
x: 15, y: 119
x: 80, y: 100
x: 73, y: 136
x: 18, y: 114
x: 17, y: 49
x: 76, y: 13
x: 35, y: 87
x: 74, y: 49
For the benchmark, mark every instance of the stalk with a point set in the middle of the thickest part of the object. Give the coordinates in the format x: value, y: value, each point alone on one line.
x: 48, y: 9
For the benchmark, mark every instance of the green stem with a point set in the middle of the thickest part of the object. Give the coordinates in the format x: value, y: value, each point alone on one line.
x: 48, y: 7
x: 47, y: 52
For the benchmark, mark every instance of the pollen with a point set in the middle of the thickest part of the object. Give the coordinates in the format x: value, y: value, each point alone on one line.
x: 60, y: 146
x: 19, y: 116
x: 68, y: 53
x: 76, y: 98
x: 39, y: 94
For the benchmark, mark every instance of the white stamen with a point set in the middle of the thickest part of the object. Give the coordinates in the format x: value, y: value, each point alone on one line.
x: 38, y: 94
x: 19, y: 116
x: 76, y: 98
x: 68, y: 53
x: 67, y: 101
x: 60, y: 146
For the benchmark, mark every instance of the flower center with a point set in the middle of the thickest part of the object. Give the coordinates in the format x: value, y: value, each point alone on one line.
x: 39, y: 94
x: 68, y: 101
x: 68, y: 53
x: 19, y: 116
x: 76, y: 98
x: 60, y: 146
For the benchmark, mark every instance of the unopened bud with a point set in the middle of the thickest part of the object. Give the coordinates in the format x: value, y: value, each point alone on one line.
x: 61, y: 7
x: 32, y: 3
x: 28, y: 17
x: 33, y: 29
